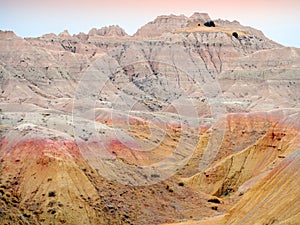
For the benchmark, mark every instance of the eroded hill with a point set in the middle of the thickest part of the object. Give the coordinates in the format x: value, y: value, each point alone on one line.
x: 179, y: 122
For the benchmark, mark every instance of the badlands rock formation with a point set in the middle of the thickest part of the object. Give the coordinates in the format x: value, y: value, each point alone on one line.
x: 179, y: 123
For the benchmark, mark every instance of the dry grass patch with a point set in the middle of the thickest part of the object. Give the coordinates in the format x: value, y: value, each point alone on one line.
x: 205, y: 29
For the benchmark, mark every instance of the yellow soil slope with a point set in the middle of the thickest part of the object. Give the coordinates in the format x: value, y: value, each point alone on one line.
x: 273, y: 200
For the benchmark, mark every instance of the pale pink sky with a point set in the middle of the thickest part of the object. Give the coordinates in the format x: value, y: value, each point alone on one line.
x: 278, y: 19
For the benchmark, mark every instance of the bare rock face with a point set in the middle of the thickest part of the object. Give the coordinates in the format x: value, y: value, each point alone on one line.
x: 198, y: 19
x: 111, y: 31
x: 89, y: 121
x: 8, y: 35
x: 64, y: 34
x: 161, y: 25
x: 200, y: 16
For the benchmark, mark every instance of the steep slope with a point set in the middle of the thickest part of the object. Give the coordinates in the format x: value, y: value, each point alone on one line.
x: 228, y: 174
x: 46, y: 180
x: 273, y: 200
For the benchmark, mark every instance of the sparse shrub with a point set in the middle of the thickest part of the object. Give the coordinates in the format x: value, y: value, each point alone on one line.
x: 209, y: 24
x: 169, y: 188
x: 181, y: 184
x: 14, y: 200
x: 51, y: 194
x: 4, y: 198
x: 214, y: 199
x: 3, y: 186
x: 214, y: 207
x: 51, y: 203
x: 227, y: 192
x: 235, y: 34
x: 155, y: 175
x: 26, y: 215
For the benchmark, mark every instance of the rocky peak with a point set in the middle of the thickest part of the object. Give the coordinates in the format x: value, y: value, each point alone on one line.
x: 110, y: 31
x: 5, y: 35
x: 65, y: 33
x: 82, y: 36
x: 169, y: 19
x: 198, y: 19
x: 227, y: 23
x: 161, y: 25
x: 49, y: 36
x: 200, y: 16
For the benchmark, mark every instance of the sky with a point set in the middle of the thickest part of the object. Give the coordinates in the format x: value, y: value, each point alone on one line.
x: 278, y: 19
